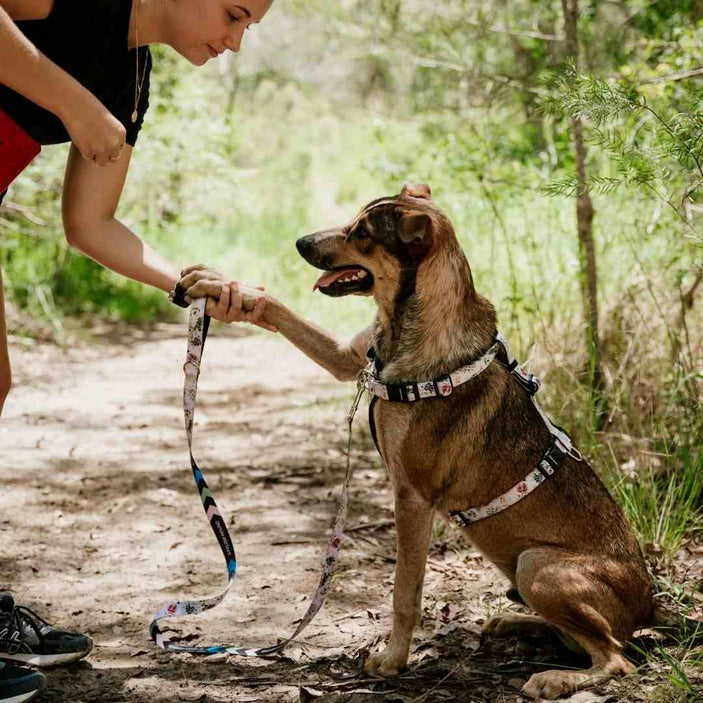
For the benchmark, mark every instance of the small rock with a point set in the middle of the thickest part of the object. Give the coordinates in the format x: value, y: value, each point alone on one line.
x: 219, y: 658
x: 589, y: 697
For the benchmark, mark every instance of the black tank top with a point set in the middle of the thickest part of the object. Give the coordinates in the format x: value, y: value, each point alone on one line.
x: 88, y: 39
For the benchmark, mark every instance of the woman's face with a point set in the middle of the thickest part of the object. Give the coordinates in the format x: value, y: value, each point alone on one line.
x: 202, y: 29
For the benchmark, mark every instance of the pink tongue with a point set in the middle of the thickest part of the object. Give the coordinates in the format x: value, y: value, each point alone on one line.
x: 331, y: 276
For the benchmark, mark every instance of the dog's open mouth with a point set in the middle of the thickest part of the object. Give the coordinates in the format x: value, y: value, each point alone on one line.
x: 344, y: 280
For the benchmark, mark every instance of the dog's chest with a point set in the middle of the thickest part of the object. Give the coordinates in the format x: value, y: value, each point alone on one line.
x: 391, y: 423
x: 409, y: 452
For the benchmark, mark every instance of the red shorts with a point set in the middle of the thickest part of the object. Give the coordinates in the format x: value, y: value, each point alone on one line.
x: 17, y: 149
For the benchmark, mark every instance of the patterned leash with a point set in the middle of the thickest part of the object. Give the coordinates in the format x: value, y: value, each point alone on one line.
x: 197, y: 334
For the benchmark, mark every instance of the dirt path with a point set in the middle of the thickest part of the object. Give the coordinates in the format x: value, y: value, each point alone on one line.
x: 100, y: 524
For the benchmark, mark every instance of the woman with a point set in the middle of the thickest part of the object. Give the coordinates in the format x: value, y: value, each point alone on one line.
x: 78, y: 71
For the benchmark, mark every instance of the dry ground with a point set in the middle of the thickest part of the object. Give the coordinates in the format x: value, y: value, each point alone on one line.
x: 100, y: 524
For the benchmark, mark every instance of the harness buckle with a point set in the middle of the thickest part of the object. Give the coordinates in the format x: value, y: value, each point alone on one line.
x: 528, y: 381
x: 458, y: 519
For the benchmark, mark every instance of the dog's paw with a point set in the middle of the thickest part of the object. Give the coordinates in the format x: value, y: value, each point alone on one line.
x: 386, y: 663
x: 499, y: 625
x: 555, y: 683
x: 552, y: 684
x: 206, y: 288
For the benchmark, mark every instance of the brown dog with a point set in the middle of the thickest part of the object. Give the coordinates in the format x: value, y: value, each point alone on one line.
x: 565, y: 548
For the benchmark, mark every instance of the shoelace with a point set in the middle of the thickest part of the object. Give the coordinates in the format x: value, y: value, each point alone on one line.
x: 27, y: 625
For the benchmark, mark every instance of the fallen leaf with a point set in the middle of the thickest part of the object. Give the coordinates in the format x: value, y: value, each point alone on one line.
x: 309, y: 694
x: 367, y: 691
x: 442, y: 612
x: 589, y: 697
x: 446, y: 629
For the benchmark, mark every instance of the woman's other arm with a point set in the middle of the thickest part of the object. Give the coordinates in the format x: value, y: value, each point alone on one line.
x: 27, y: 9
x: 23, y: 68
x: 90, y: 198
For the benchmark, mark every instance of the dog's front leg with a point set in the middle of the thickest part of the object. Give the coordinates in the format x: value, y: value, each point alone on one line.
x: 413, y: 520
x: 343, y: 360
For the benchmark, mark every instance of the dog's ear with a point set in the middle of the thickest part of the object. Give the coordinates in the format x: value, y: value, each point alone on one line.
x: 417, y: 190
x: 415, y: 230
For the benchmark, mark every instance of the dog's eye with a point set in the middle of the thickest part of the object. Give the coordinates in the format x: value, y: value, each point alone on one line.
x: 357, y: 234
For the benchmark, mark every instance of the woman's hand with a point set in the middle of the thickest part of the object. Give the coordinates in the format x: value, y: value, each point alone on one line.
x: 97, y: 134
x: 228, y: 301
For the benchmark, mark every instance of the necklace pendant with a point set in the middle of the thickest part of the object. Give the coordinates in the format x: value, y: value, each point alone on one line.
x: 135, y: 115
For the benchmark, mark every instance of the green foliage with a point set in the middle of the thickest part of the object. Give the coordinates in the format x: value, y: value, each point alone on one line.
x: 659, y: 151
x: 665, y: 506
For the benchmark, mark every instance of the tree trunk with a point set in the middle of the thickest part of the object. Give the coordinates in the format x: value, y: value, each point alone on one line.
x: 584, y: 217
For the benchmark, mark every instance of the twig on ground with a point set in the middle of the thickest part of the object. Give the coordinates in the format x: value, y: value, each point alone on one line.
x: 371, y: 525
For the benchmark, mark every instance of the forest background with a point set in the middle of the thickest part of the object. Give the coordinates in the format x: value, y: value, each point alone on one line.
x: 333, y: 103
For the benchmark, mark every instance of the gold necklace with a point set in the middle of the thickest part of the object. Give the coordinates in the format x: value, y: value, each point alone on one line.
x: 138, y: 85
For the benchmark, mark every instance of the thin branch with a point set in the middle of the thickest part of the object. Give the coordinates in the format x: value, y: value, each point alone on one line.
x: 678, y: 76
x: 673, y: 134
x: 687, y: 297
x: 27, y: 214
x: 665, y: 198
x: 516, y: 32
x: 428, y: 62
x: 437, y: 63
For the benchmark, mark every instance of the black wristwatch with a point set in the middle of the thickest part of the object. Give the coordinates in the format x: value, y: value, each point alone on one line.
x: 178, y: 295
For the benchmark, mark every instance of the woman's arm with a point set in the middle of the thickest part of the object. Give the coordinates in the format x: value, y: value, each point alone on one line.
x: 23, y: 68
x: 90, y: 198
x: 28, y: 9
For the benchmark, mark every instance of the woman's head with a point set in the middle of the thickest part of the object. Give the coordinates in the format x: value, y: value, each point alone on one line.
x: 199, y: 30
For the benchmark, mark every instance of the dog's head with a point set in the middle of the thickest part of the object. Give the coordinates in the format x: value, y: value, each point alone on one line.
x: 389, y: 237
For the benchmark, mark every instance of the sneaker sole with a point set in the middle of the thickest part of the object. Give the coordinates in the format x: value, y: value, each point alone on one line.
x: 45, y: 660
x: 22, y: 697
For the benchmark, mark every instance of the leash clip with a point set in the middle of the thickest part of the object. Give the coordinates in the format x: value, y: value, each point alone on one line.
x: 362, y: 379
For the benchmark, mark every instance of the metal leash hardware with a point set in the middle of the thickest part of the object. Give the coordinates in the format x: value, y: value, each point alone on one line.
x: 197, y: 334
x: 362, y: 379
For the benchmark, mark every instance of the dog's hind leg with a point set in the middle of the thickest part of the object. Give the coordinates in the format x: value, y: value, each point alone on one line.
x: 413, y: 520
x: 591, y: 599
x: 509, y: 623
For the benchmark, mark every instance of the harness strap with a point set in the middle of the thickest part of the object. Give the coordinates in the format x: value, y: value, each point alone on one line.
x: 197, y: 334
x: 372, y: 424
x: 438, y: 387
x: 552, y: 459
x: 532, y: 384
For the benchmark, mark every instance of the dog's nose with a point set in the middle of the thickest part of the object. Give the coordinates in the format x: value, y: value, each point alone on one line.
x: 304, y: 245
